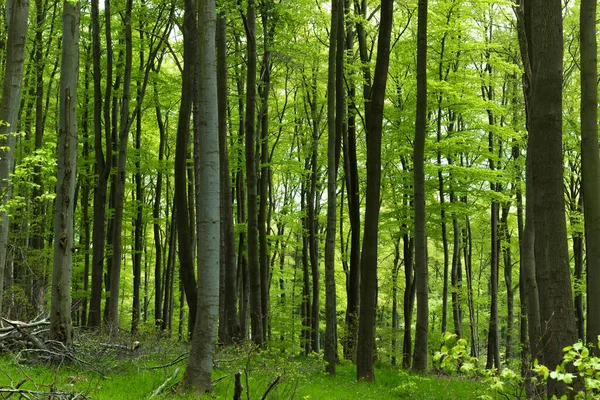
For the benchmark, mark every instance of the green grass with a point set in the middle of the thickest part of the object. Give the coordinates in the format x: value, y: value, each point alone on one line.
x: 128, y: 376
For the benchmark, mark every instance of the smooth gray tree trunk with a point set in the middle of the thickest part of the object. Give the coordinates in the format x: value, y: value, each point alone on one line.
x: 9, y: 108
x: 206, y: 168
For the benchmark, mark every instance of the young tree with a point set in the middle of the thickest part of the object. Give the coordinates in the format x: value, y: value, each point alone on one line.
x: 103, y: 162
x: 186, y: 253
x: 206, y: 169
x: 17, y: 12
x: 61, y: 327
x: 421, y: 273
x: 256, y: 316
x: 368, y: 262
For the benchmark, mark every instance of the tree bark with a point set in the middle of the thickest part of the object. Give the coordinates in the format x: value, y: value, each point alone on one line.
x: 9, y: 108
x: 230, y: 322
x: 186, y: 254
x: 421, y: 272
x: 206, y: 168
x: 590, y: 163
x: 103, y: 163
x: 368, y: 262
x: 546, y: 163
x: 256, y: 316
x: 330, y: 292
x: 61, y: 326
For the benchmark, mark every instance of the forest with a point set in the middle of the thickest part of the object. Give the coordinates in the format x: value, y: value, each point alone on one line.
x: 277, y: 194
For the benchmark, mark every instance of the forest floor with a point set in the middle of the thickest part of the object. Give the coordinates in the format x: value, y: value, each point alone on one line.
x: 151, y: 369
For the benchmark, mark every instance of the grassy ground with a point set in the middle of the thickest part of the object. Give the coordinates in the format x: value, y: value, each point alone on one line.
x: 119, y: 374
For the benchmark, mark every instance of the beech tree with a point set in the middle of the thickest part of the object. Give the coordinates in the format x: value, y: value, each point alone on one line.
x: 206, y: 170
x: 61, y: 327
x: 368, y: 261
x: 17, y: 12
x: 552, y: 271
x: 590, y: 161
x: 421, y: 272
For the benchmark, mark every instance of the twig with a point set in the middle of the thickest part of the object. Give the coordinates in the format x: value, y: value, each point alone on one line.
x: 176, y: 361
x: 271, y: 386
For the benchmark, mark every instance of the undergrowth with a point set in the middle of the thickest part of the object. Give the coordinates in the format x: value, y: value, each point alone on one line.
x: 118, y: 369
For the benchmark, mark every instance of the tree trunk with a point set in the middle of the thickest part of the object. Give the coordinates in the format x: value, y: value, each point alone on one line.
x: 9, y: 108
x: 330, y: 292
x: 61, y: 326
x: 230, y: 322
x: 206, y: 167
x: 119, y: 189
x: 186, y: 255
x: 351, y: 178
x: 590, y: 163
x: 545, y: 152
x: 139, y: 198
x: 158, y: 247
x: 256, y: 316
x: 369, y: 261
x: 103, y: 164
x: 421, y: 272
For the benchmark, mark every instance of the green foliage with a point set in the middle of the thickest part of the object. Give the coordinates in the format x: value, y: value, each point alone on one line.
x: 454, y: 357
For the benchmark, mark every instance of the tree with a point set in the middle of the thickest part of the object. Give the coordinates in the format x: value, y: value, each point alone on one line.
x: 256, y: 316
x: 229, y: 328
x: 188, y: 81
x: 337, y: 25
x: 590, y: 162
x: 206, y: 169
x: 546, y: 163
x: 103, y: 162
x: 368, y: 261
x: 61, y: 327
x: 17, y: 13
x: 421, y: 273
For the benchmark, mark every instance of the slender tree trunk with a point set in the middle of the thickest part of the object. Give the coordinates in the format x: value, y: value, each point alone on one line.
x: 351, y: 177
x: 421, y: 272
x: 409, y: 298
x: 395, y: 315
x: 330, y: 292
x: 119, y: 190
x: 590, y: 163
x: 230, y: 322
x: 103, y: 163
x: 264, y: 88
x: 139, y: 198
x: 256, y: 316
x: 368, y: 262
x: 186, y: 255
x: 456, y: 273
x: 158, y: 247
x: 505, y: 238
x: 61, y: 326
x: 9, y: 108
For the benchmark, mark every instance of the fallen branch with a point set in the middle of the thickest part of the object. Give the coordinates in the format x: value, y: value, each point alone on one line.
x: 165, y: 384
x: 53, y: 395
